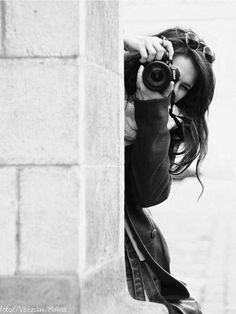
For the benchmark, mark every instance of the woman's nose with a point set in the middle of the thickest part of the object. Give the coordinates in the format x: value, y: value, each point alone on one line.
x: 176, y: 87
x: 176, y: 91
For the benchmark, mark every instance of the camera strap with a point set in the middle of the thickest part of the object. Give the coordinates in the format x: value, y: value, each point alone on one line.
x: 174, y: 116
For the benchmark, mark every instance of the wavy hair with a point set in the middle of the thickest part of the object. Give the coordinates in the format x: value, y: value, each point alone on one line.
x: 190, y: 141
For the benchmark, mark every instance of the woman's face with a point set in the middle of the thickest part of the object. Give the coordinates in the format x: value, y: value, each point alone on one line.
x: 188, y: 76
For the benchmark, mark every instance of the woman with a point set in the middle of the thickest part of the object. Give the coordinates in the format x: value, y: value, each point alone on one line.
x: 164, y: 132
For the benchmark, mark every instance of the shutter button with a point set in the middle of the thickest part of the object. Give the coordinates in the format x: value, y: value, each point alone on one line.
x: 154, y: 233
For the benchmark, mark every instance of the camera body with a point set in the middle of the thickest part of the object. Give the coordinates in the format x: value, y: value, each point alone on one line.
x: 157, y: 75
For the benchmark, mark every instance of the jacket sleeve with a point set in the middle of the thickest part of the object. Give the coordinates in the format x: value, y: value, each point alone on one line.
x: 147, y: 161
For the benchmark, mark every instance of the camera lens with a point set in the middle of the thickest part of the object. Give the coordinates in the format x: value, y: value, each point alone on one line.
x: 157, y: 76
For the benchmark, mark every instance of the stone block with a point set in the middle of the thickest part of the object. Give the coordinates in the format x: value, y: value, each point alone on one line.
x: 99, y: 292
x: 102, y: 33
x: 49, y: 211
x: 38, y: 111
x: 101, y: 116
x: 8, y: 219
x: 104, y: 290
x: 27, y: 294
x: 1, y: 28
x: 101, y: 286
x: 104, y: 221
x: 36, y: 28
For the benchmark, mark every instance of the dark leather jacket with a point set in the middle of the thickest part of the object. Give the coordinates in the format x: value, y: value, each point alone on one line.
x: 147, y: 183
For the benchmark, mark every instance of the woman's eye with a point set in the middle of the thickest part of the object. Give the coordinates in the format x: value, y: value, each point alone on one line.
x: 185, y: 88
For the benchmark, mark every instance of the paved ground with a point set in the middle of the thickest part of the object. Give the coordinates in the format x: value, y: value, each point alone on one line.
x: 202, y: 240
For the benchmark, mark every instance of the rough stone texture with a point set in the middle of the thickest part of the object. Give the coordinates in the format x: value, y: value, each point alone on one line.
x: 61, y: 294
x: 8, y: 220
x: 1, y: 30
x: 102, y: 24
x: 26, y: 294
x: 101, y: 130
x: 107, y: 293
x: 36, y: 28
x: 100, y: 285
x: 55, y: 113
x: 49, y: 206
x: 102, y: 190
x: 38, y: 111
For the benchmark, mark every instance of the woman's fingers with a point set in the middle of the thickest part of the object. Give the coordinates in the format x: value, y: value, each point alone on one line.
x: 169, y: 89
x: 152, y: 51
x: 154, y: 48
x: 140, y: 85
x: 150, y: 47
x: 160, y: 50
x: 169, y: 47
x: 143, y: 54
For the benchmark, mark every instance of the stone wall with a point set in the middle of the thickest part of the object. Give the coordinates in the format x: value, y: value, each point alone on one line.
x: 61, y: 159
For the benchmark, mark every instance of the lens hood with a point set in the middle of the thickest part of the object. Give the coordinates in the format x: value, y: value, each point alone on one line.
x: 157, y: 76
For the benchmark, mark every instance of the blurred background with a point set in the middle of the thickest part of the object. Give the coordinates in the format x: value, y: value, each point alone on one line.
x: 201, y: 234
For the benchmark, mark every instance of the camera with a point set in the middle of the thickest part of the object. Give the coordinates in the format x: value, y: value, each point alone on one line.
x: 157, y: 75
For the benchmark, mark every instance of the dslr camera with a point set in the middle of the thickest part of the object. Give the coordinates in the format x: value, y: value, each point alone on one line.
x: 157, y: 75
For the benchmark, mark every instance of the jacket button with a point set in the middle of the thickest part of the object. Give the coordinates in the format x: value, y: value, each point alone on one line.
x: 154, y: 233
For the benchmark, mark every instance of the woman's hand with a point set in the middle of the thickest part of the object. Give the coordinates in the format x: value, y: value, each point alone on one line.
x: 150, y: 48
x: 143, y: 93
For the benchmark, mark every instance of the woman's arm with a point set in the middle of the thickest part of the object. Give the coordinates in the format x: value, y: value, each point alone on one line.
x: 147, y: 162
x: 150, y: 47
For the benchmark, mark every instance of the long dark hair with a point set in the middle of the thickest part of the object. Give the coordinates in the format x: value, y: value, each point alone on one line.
x: 189, y: 142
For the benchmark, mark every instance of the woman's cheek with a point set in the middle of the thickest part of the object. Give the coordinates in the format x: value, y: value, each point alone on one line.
x: 180, y: 94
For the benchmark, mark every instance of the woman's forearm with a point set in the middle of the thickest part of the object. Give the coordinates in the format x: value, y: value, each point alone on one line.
x: 149, y: 158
